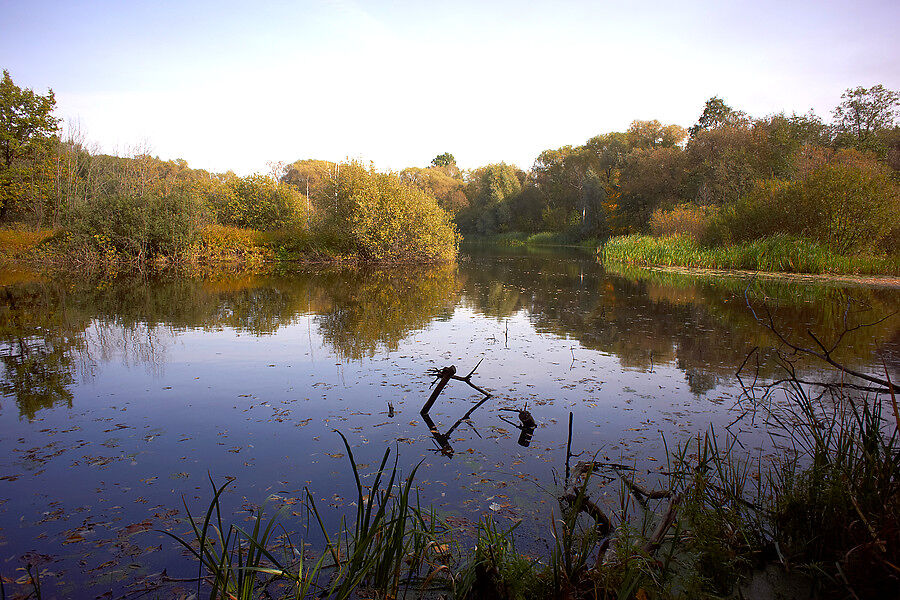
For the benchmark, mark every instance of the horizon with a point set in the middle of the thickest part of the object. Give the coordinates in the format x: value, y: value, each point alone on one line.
x: 226, y: 87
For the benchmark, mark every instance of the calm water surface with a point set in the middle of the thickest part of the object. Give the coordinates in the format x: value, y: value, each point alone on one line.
x: 121, y: 398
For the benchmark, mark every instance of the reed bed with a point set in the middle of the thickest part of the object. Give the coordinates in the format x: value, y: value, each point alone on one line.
x: 777, y: 254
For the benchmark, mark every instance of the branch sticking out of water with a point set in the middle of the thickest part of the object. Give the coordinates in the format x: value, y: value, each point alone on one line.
x: 442, y: 377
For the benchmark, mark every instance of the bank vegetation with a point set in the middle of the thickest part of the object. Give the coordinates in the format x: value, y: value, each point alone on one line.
x: 778, y: 192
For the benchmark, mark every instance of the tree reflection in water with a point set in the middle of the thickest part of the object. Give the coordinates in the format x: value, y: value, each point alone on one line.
x: 52, y: 333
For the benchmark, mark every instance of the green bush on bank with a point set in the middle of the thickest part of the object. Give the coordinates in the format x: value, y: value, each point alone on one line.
x: 542, y: 238
x: 847, y: 202
x: 162, y: 221
x: 258, y: 202
x: 377, y: 217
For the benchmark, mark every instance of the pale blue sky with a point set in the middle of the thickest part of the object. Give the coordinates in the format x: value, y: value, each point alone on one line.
x: 235, y: 84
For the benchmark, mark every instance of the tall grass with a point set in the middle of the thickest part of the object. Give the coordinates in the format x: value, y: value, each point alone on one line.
x: 779, y: 253
x: 389, y: 542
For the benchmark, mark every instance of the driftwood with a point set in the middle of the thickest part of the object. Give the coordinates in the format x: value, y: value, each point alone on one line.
x: 579, y: 499
x: 442, y: 377
x: 527, y: 426
x: 653, y: 544
x: 576, y: 497
x: 585, y: 505
x: 642, y: 493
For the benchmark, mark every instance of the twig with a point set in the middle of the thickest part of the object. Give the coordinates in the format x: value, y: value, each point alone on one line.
x: 643, y: 492
x: 825, y: 353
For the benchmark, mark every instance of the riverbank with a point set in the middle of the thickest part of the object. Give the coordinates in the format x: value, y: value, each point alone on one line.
x: 515, y: 239
x: 215, y: 247
x: 774, y: 255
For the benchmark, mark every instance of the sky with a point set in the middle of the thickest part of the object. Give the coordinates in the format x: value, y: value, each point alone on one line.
x: 235, y: 85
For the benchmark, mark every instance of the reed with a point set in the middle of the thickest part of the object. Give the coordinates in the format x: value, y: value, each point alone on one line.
x: 777, y: 254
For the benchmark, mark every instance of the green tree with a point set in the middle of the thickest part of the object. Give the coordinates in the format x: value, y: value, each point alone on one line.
x: 489, y: 190
x: 777, y: 139
x: 443, y: 160
x: 717, y: 114
x: 27, y: 127
x: 594, y: 217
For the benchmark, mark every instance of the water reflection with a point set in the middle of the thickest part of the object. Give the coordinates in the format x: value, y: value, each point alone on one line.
x: 701, y: 325
x: 54, y: 333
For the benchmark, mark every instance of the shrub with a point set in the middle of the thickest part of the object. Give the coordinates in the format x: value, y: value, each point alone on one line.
x: 259, y: 202
x: 164, y: 221
x: 847, y: 201
x: 688, y: 220
x: 219, y: 243
x: 378, y: 217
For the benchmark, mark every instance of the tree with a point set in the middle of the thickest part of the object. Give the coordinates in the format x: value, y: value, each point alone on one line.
x: 646, y: 135
x: 717, y: 114
x: 447, y: 190
x: 443, y: 160
x: 865, y: 112
x: 26, y: 128
x: 650, y: 179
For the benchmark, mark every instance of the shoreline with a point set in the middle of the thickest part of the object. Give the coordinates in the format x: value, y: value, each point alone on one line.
x: 882, y: 281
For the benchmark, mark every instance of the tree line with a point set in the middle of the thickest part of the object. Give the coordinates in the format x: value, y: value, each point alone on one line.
x: 728, y: 178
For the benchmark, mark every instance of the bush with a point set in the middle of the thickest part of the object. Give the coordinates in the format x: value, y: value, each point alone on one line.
x: 164, y: 221
x: 691, y: 221
x: 847, y: 201
x: 377, y: 217
x: 259, y: 202
x: 219, y: 243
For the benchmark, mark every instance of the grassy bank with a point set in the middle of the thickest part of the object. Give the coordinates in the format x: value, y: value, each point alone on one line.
x: 543, y: 238
x: 778, y: 253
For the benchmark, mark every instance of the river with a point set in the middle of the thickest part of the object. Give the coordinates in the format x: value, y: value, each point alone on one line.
x: 121, y: 398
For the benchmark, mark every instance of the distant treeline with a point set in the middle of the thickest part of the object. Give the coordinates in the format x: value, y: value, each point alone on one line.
x: 62, y: 202
x: 727, y: 179
x: 730, y: 178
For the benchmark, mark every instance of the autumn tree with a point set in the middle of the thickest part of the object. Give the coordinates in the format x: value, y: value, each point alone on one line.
x: 651, y: 179
x: 27, y: 128
x: 863, y: 114
x: 448, y: 191
x: 648, y: 135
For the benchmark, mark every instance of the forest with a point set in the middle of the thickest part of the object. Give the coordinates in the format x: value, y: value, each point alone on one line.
x: 730, y: 179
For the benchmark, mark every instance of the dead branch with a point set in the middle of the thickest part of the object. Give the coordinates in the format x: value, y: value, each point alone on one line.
x: 641, y: 492
x: 653, y: 544
x: 585, y: 505
x: 442, y: 377
x: 823, y: 353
